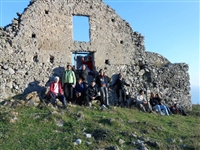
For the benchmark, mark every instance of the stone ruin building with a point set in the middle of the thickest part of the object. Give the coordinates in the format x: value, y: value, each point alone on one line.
x: 39, y: 44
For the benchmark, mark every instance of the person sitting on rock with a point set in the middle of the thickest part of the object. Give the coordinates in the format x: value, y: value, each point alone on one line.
x: 91, y: 93
x: 56, y: 92
x: 120, y: 89
x: 102, y: 83
x: 175, y: 109
x: 142, y: 103
x: 155, y: 101
x: 80, y: 92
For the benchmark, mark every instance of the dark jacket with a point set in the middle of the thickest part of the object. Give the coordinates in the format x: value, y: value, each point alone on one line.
x: 83, y: 74
x: 91, y: 91
x: 155, y: 101
x: 79, y: 88
x: 120, y: 84
x: 99, y: 82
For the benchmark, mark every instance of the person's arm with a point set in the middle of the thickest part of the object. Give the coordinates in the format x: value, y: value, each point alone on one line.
x: 138, y: 100
x: 144, y: 101
x: 96, y: 92
x: 83, y: 62
x: 159, y: 96
x: 98, y: 81
x: 152, y: 102
x: 159, y: 99
x: 51, y: 87
x: 60, y: 88
x: 87, y: 93
x: 74, y: 78
x: 75, y: 89
x: 114, y: 84
x: 63, y: 79
x: 125, y: 83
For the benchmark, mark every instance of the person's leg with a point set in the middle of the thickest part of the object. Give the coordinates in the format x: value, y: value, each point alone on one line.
x: 88, y: 101
x: 123, y: 97
x: 62, y: 99
x: 81, y: 99
x: 120, y: 97
x: 142, y: 107
x: 182, y: 111
x: 165, y: 109
x: 149, y: 107
x: 158, y: 108
x: 102, y: 94
x: 53, y: 98
x: 70, y: 89
x: 66, y: 93
x: 106, y: 96
x: 169, y: 111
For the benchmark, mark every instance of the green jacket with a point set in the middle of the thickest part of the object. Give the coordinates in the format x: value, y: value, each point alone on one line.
x: 68, y: 77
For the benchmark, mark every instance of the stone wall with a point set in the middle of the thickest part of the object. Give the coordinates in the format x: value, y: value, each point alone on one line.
x: 39, y: 44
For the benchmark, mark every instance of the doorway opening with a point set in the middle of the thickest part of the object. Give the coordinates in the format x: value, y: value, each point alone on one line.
x: 80, y: 58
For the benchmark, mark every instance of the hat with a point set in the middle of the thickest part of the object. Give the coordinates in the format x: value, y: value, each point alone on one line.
x: 56, y: 78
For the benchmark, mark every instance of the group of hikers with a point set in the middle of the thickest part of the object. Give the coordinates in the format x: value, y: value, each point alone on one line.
x: 74, y: 87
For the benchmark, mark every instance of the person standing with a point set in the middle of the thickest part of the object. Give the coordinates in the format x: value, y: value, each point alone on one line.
x: 142, y: 103
x: 155, y: 101
x: 56, y: 92
x: 102, y: 84
x: 120, y: 89
x: 68, y: 82
x: 84, y: 73
x: 88, y: 62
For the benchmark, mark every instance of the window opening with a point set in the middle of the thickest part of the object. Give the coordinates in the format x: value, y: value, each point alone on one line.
x: 81, y: 28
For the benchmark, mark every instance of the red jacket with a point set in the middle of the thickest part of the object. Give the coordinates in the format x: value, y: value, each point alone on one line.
x: 88, y: 63
x: 59, y: 87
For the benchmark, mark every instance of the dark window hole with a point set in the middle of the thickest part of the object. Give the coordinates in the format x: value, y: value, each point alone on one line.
x: 52, y: 59
x: 46, y: 12
x: 107, y: 61
x: 121, y: 42
x: 113, y: 20
x: 35, y: 58
x: 33, y: 35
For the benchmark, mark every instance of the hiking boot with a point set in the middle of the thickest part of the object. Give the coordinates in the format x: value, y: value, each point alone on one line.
x: 64, y: 107
x: 104, y: 107
x: 90, y: 105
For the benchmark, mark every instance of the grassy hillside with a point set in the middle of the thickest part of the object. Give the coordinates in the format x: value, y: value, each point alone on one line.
x: 116, y: 128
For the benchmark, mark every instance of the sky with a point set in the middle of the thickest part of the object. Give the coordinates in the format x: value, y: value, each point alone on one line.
x: 170, y: 28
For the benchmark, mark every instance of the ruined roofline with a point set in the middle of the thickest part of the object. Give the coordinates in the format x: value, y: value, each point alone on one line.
x: 157, y: 54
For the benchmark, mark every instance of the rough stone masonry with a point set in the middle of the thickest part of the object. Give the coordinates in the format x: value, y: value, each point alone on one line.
x: 39, y: 44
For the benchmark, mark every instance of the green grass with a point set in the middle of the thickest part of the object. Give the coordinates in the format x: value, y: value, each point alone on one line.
x: 35, y: 129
